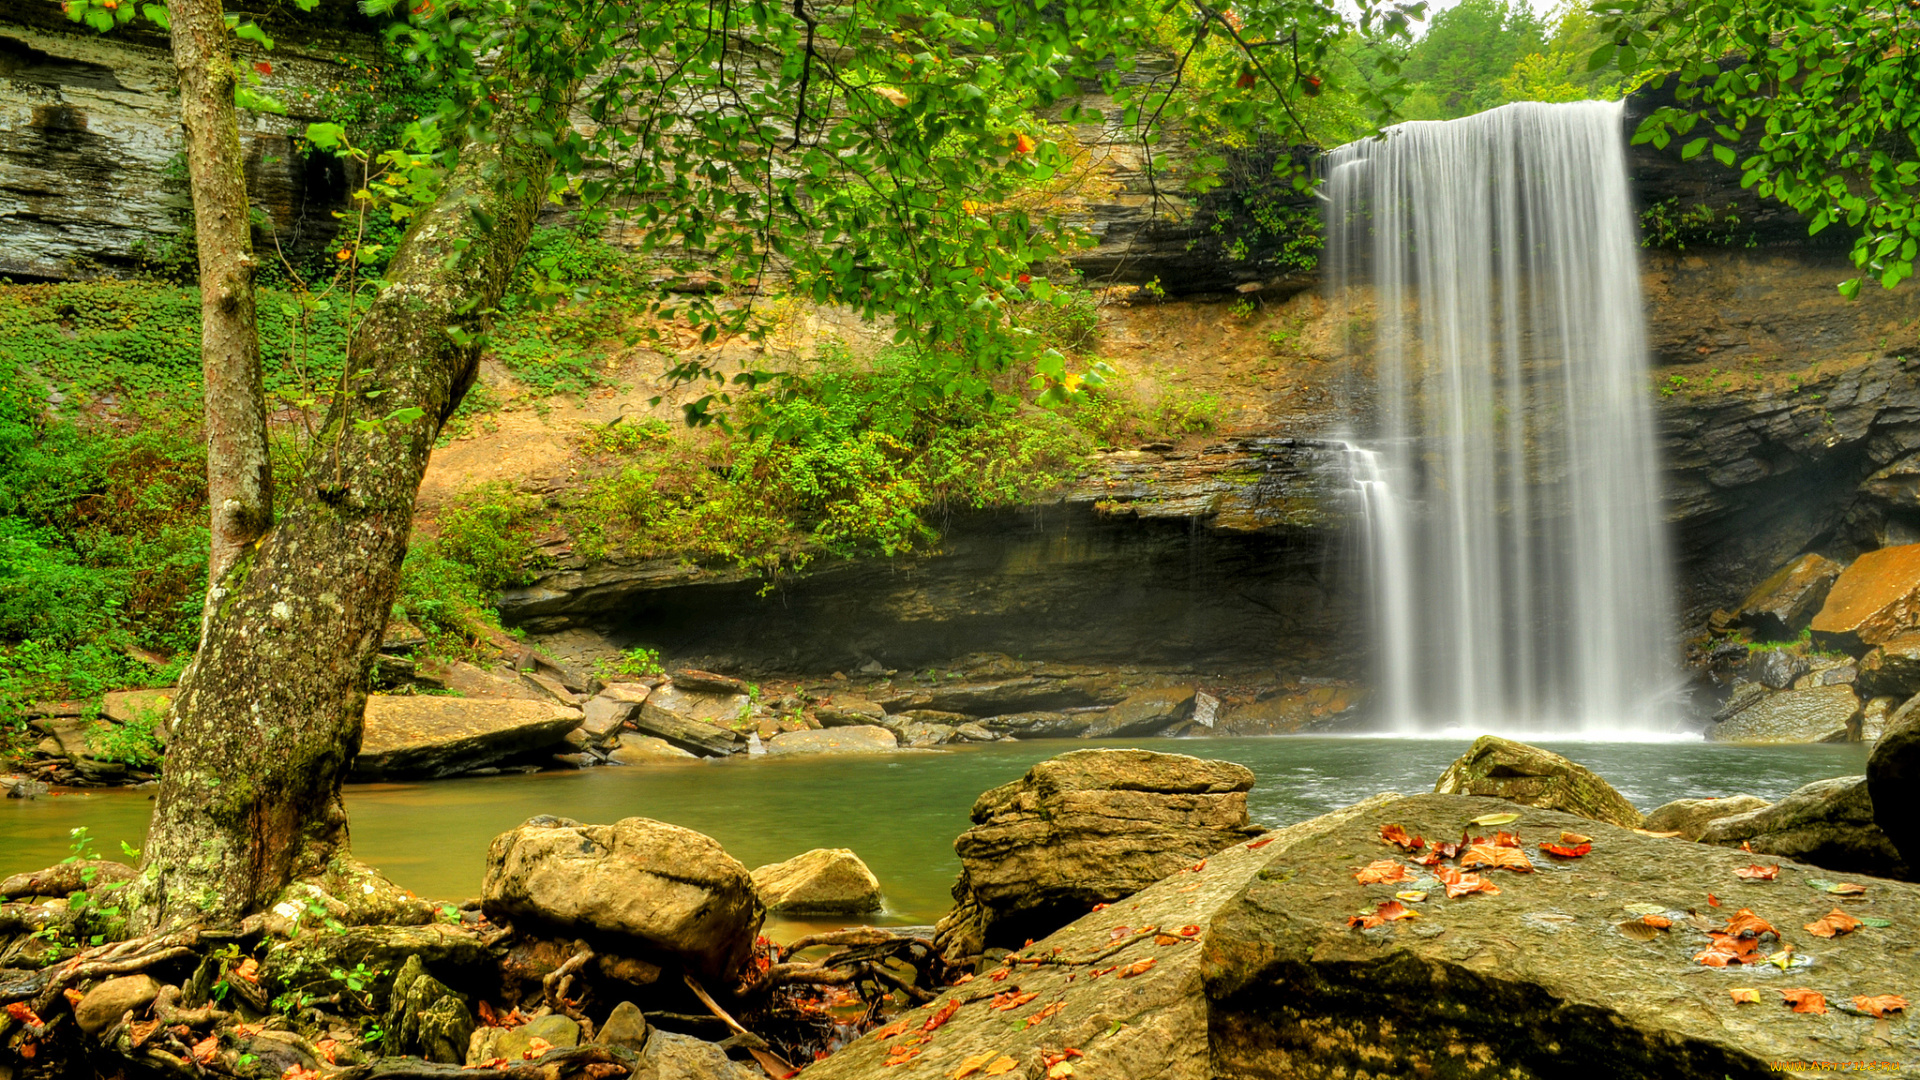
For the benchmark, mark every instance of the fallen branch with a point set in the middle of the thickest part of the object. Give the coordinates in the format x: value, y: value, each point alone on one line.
x: 560, y: 980
x: 773, y: 1063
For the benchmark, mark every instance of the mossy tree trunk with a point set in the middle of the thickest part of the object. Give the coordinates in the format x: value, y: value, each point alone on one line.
x: 269, y: 714
x: 239, y: 472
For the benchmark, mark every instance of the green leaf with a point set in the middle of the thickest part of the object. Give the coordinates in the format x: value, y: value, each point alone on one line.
x: 250, y: 31
x: 326, y: 136
x: 1849, y: 289
x: 157, y: 15
x: 1601, y: 57
x: 1723, y: 154
x: 1692, y: 149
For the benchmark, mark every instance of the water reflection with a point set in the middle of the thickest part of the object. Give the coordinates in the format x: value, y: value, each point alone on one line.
x: 898, y: 812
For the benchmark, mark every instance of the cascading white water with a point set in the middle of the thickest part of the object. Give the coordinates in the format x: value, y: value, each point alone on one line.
x: 1488, y: 268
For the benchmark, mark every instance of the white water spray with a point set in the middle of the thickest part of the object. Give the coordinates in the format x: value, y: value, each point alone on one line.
x: 1509, y: 479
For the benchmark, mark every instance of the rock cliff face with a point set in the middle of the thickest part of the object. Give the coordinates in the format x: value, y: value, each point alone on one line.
x: 90, y: 134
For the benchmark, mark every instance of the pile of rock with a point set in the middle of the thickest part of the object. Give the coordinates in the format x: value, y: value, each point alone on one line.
x: 1082, y: 829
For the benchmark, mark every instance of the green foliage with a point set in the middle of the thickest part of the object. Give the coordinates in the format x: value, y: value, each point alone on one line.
x: 1667, y: 224
x: 490, y: 529
x: 1113, y: 418
x: 1814, y: 103
x: 135, y: 743
x: 1456, y: 67
x: 635, y: 663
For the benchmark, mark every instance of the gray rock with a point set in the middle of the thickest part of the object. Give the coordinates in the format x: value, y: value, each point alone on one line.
x: 672, y: 1056
x: 696, y: 723
x: 626, y: 1027
x: 424, y: 737
x: 1776, y: 669
x: 1148, y: 712
x: 1745, y: 694
x: 1690, y: 817
x: 426, y: 1017
x: 706, y: 682
x: 1829, y: 823
x: 605, y: 716
x: 1020, y: 693
x: 634, y: 692
x: 973, y: 733
x: 1781, y: 606
x: 1819, y: 714
x: 916, y: 734
x: 21, y: 787
x: 1893, y: 779
x: 105, y: 1004
x: 559, y: 1032
x: 1085, y: 828
x: 845, y: 711
x: 847, y: 740
x: 1892, y: 668
x: 1040, y: 725
x: 1505, y: 769
x: 824, y: 881
x: 672, y: 889
x: 634, y: 749
x: 1874, y: 716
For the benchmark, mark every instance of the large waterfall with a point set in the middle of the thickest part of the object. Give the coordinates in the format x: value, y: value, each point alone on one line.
x: 1487, y: 268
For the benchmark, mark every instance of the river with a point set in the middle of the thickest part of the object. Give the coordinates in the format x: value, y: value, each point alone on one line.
x: 899, y: 812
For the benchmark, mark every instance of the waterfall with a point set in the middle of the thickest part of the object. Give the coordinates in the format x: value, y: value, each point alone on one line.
x: 1487, y: 271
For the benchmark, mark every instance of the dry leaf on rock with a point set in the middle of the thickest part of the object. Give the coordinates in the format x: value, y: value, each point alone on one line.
x: 971, y: 1065
x: 1758, y: 872
x: 1138, y: 967
x: 1833, y: 924
x: 1001, y: 1065
x: 1802, y: 1000
x: 1397, y: 836
x: 1380, y: 872
x: 1495, y: 819
x: 1499, y: 858
x: 1012, y: 999
x: 1880, y: 1005
x: 1744, y: 996
x: 1565, y: 851
x: 944, y: 1014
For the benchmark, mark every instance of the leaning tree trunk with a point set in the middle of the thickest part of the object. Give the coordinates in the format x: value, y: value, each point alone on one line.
x: 268, y: 718
x: 239, y: 474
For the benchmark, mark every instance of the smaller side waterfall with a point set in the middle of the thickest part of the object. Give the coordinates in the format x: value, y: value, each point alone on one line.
x: 1488, y: 269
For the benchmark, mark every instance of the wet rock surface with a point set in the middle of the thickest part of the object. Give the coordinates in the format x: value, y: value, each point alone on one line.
x: 1781, y: 606
x: 1085, y: 828
x: 1528, y: 775
x: 1536, y: 981
x: 847, y: 740
x: 1815, y: 714
x: 1875, y: 600
x: 1690, y: 817
x: 1893, y: 783
x: 1146, y: 1026
x: 422, y: 737
x: 1828, y: 823
x: 656, y: 888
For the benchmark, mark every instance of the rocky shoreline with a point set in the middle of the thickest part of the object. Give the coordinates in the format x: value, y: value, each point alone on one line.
x: 1117, y: 914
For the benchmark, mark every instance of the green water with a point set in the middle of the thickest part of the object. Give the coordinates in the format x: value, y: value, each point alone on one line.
x: 899, y: 812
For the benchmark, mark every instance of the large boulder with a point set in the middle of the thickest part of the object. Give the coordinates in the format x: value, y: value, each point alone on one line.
x: 846, y: 740
x: 1893, y: 782
x: 698, y: 723
x: 1817, y: 714
x: 1781, y: 606
x: 1827, y: 823
x: 1148, y: 1025
x: 1039, y: 725
x: 1528, y: 775
x: 1892, y: 667
x: 1085, y: 828
x: 423, y: 737
x: 1690, y: 817
x: 104, y: 1005
x: 658, y: 888
x: 1873, y: 601
x: 1148, y: 712
x: 824, y: 881
x: 1537, y: 981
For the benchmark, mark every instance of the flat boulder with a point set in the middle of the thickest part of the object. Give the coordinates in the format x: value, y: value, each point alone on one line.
x: 1690, y: 817
x: 824, y: 881
x: 421, y: 737
x: 658, y: 888
x: 1816, y: 714
x: 1538, y: 981
x: 1828, y: 823
x: 1039, y: 725
x: 636, y: 749
x: 1874, y: 600
x: 1148, y: 1024
x: 848, y: 712
x: 1085, y: 828
x: 1781, y: 606
x: 866, y: 739
x: 1148, y: 712
x: 1893, y: 782
x: 1505, y: 769
x: 698, y: 723
x: 1020, y: 693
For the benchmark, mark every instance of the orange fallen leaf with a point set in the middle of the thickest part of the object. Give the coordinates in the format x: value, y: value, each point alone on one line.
x: 248, y: 969
x: 1397, y: 836
x: 24, y: 1013
x: 1658, y: 835
x: 1099, y: 907
x: 1189, y: 930
x: 1003, y: 1063
x: 1459, y: 884
x: 1744, y: 996
x: 1575, y: 838
x: 141, y: 1032
x: 297, y: 1071
x: 944, y: 1014
x: 1565, y: 852
x: 963, y: 980
x: 1757, y: 872
x: 1138, y: 967
x: 1499, y: 858
x: 1506, y: 839
x: 1012, y: 999
x: 1050, y: 1010
x: 1118, y: 932
x: 1060, y: 1070
x: 204, y: 1050
x: 1833, y: 924
x: 1258, y: 844
x: 972, y: 1064
x: 1658, y: 922
x: 893, y: 1029
x: 1847, y: 888
x: 1381, y: 871
x: 1165, y: 939
x: 901, y: 1056
x: 536, y: 1047
x: 1197, y: 867
x: 1745, y: 923
x: 1712, y: 900
x: 1051, y: 1058
x: 327, y: 1049
x: 74, y: 997
x: 1385, y: 912
x: 1805, y: 1001
x: 1880, y: 1005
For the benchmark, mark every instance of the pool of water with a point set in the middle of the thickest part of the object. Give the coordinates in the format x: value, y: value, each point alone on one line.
x: 899, y: 812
